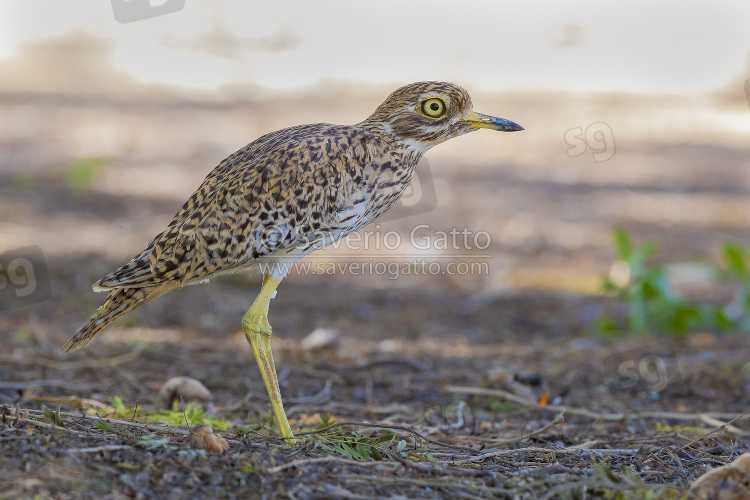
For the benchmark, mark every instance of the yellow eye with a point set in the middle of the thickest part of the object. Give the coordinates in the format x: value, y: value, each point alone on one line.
x: 434, y: 107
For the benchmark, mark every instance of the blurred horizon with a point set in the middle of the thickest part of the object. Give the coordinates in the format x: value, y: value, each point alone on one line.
x: 228, y: 50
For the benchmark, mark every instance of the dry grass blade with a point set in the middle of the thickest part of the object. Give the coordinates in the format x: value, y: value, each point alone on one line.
x: 318, y: 460
x: 97, y: 449
x: 714, y: 431
x: 102, y: 362
x: 499, y: 442
x: 391, y: 427
x: 580, y: 412
x: 587, y: 446
x: 149, y: 427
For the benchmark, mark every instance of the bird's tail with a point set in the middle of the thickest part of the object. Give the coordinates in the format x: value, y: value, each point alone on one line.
x: 119, y: 302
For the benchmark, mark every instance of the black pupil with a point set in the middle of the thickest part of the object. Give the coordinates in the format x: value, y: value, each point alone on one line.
x: 434, y: 106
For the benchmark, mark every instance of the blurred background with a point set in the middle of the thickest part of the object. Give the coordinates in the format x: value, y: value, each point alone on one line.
x: 111, y: 114
x: 498, y: 272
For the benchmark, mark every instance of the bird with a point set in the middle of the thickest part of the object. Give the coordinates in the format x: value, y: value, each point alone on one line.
x: 281, y: 197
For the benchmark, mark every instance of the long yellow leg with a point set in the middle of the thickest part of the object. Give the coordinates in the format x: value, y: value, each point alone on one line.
x: 258, y: 333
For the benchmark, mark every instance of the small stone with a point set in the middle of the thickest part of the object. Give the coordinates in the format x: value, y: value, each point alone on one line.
x: 497, y: 376
x: 389, y: 346
x: 320, y: 338
x: 189, y: 388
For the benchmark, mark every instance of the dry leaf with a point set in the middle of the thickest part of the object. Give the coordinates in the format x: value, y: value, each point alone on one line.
x: 306, y: 420
x: 203, y: 437
x: 728, y: 482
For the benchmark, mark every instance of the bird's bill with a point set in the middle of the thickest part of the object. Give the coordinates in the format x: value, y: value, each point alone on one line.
x: 478, y: 120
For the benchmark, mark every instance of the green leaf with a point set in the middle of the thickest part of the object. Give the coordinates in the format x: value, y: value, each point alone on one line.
x: 605, y: 324
x: 623, y: 244
x: 362, y: 451
x: 652, y: 305
x: 648, y: 249
x: 604, y: 472
x: 349, y: 451
x: 400, y: 446
x: 736, y: 258
x: 656, y: 287
x: 498, y: 406
x: 52, y: 417
x: 326, y: 421
x: 721, y: 319
x: 608, y: 285
x: 684, y: 318
x: 118, y: 404
x: 81, y: 174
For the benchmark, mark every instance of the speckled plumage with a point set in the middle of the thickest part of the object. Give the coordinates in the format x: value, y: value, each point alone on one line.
x: 288, y: 193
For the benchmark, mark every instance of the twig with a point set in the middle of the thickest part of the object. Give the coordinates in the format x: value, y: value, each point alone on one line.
x: 315, y: 397
x: 558, y: 419
x: 727, y: 427
x: 34, y: 383
x: 440, y: 468
x: 309, y: 461
x: 388, y: 426
x: 570, y: 410
x: 150, y: 427
x: 459, y: 416
x: 414, y: 364
x: 571, y: 449
x: 102, y: 362
x: 718, y: 429
x: 129, y: 379
x: 326, y: 391
x: 44, y: 424
x: 182, y: 403
x: 435, y: 482
x: 73, y: 400
x: 95, y: 449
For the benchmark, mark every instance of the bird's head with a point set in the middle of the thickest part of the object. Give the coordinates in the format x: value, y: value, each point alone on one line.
x: 425, y: 114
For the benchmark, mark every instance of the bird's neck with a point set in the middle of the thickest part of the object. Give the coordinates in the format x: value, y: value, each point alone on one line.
x: 384, y: 132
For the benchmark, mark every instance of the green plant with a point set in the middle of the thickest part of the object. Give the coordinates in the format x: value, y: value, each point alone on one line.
x: 193, y: 412
x: 735, y: 271
x: 80, y: 174
x: 652, y: 305
x: 356, y: 446
x: 336, y: 441
x: 53, y: 417
x: 153, y: 442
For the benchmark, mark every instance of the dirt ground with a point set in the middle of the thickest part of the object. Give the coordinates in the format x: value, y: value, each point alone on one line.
x: 490, y: 384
